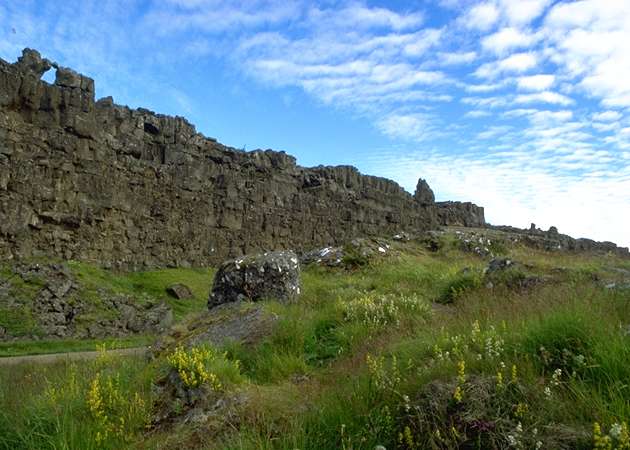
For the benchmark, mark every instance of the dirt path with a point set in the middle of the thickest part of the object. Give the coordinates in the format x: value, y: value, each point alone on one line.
x: 70, y: 356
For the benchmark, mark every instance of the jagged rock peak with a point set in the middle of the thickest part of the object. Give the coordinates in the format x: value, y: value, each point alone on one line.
x: 424, y: 194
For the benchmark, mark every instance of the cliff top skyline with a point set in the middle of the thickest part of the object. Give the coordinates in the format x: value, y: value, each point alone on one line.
x: 520, y: 106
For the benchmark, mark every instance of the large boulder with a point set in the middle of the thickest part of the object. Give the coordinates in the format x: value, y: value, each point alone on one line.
x: 255, y: 277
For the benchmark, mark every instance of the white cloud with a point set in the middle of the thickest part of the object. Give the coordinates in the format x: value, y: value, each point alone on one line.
x: 483, y: 87
x: 521, y: 188
x: 453, y: 58
x: 518, y: 62
x: 535, y: 82
x: 212, y: 16
x: 481, y: 16
x: 422, y: 41
x: 588, y: 39
x: 493, y: 132
x: 357, y: 15
x: 522, y: 12
x: 414, y: 127
x: 607, y: 116
x: 476, y: 113
x: 507, y: 38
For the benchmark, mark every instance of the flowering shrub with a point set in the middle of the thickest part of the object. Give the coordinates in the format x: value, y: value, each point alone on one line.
x: 486, y: 344
x: 383, y: 310
x: 382, y: 377
x: 115, y: 412
x: 192, y: 366
x: 617, y: 438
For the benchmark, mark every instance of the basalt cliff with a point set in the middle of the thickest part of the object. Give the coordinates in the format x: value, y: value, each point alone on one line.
x: 95, y: 181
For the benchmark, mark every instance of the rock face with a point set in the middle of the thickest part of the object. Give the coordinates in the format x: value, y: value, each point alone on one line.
x: 255, y: 277
x: 94, y: 181
x: 460, y: 214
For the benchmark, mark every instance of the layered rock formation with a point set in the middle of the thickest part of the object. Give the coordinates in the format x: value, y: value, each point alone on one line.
x: 95, y: 181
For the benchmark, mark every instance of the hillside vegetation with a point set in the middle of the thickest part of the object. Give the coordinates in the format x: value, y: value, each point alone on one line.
x: 417, y: 350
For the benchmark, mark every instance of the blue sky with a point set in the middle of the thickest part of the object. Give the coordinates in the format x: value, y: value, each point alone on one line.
x: 518, y: 105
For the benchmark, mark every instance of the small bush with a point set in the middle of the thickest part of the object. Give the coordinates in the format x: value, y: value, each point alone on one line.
x: 116, y: 414
x: 352, y: 259
x: 379, y: 310
x: 324, y: 343
x: 560, y: 342
x: 203, y: 366
x: 458, y: 285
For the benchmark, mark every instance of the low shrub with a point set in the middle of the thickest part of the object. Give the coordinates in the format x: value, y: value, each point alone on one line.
x: 203, y: 367
x: 459, y: 284
x: 560, y: 341
x: 379, y: 310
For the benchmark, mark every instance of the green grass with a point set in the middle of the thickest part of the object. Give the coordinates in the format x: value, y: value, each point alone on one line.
x: 48, y: 408
x: 145, y: 286
x: 151, y: 283
x: 21, y: 348
x: 363, y: 359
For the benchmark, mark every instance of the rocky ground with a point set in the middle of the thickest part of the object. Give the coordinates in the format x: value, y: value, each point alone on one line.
x: 56, y: 303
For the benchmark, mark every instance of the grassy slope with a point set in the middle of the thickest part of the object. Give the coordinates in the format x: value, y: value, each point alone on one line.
x: 311, y: 385
x: 137, y: 284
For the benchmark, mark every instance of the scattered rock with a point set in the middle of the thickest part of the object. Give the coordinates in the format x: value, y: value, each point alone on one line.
x: 357, y: 252
x: 255, y: 277
x: 512, y: 274
x: 432, y: 241
x: 618, y: 286
x: 402, y: 237
x: 552, y: 240
x: 327, y: 256
x: 63, y: 308
x: 498, y: 264
x: 179, y: 291
x: 244, y: 323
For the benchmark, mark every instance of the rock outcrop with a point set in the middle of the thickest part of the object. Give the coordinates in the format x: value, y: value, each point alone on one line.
x: 273, y: 275
x: 49, y: 301
x: 552, y: 240
x: 95, y: 181
x: 424, y: 194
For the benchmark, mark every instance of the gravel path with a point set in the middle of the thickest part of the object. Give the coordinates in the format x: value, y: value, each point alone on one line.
x: 70, y: 356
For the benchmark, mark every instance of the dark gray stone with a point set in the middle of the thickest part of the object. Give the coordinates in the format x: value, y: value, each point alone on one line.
x: 499, y: 264
x: 327, y: 256
x: 273, y: 275
x: 179, y: 291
